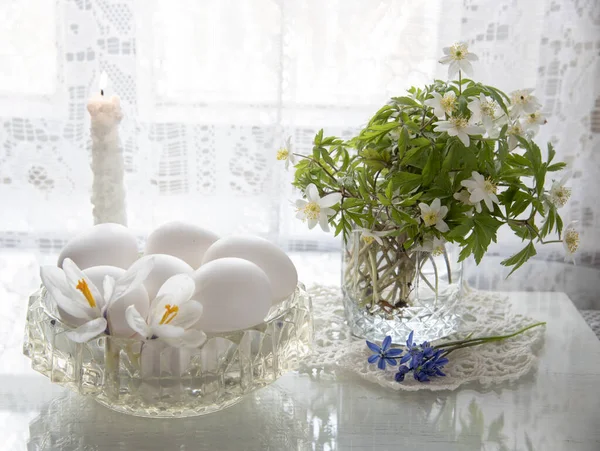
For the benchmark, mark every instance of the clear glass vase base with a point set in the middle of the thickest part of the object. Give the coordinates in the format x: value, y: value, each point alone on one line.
x: 429, y: 320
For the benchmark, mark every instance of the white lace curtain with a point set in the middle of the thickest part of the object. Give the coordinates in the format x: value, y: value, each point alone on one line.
x: 211, y: 87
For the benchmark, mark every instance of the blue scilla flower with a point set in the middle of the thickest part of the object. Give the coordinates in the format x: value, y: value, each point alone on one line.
x: 384, y: 354
x: 432, y: 367
x: 402, y: 370
x: 416, y: 353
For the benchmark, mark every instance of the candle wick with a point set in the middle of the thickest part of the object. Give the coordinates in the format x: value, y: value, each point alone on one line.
x: 102, y: 92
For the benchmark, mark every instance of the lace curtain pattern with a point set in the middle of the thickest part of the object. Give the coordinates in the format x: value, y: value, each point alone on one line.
x: 210, y: 89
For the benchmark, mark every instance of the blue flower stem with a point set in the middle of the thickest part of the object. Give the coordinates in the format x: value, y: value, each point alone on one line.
x: 452, y: 346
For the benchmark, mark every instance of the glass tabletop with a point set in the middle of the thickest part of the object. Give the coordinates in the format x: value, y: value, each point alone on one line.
x: 555, y: 408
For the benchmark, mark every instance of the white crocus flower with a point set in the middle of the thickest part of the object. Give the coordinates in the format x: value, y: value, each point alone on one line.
x: 172, y: 314
x: 522, y: 101
x: 481, y: 189
x: 285, y: 153
x: 442, y: 106
x: 559, y: 193
x: 570, y: 239
x: 484, y: 111
x: 515, y: 129
x: 316, y: 209
x: 78, y: 297
x: 459, y: 126
x: 532, y: 122
x: 434, y: 214
x: 459, y: 58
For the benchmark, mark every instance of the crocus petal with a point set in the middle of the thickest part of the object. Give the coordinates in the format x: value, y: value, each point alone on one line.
x: 54, y: 280
x: 177, y: 289
x: 190, y: 339
x: 167, y: 331
x: 189, y: 313
x: 74, y: 275
x: 137, y: 321
x: 330, y: 200
x: 108, y: 285
x: 131, y: 280
x: 87, y: 331
x: 312, y: 193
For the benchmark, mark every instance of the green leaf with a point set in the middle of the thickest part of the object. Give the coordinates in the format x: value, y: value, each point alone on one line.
x: 551, y: 153
x: 405, y: 101
x: 405, y: 182
x: 520, y: 258
x: 403, y: 142
x: 319, y: 138
x: 556, y: 167
x: 484, y: 232
x: 432, y: 167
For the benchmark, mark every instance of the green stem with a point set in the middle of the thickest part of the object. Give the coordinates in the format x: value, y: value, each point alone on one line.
x: 478, y: 341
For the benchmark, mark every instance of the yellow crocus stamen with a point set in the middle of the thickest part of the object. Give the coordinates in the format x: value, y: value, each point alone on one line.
x: 170, y: 314
x: 83, y: 287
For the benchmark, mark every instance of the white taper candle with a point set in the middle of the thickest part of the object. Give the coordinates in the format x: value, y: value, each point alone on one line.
x: 108, y: 189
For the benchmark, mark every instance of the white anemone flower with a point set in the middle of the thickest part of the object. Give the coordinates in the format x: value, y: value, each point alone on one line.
x: 532, y: 121
x: 285, y: 153
x: 559, y: 193
x: 172, y: 314
x: 522, y: 101
x: 434, y: 214
x: 515, y: 129
x: 368, y: 236
x: 459, y: 126
x: 484, y: 111
x: 442, y: 105
x: 570, y: 240
x: 481, y: 189
x: 315, y: 209
x: 434, y: 245
x: 77, y: 296
x: 459, y: 58
x: 464, y: 196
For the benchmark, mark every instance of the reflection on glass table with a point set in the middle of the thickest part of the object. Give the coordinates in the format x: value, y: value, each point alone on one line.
x: 554, y: 408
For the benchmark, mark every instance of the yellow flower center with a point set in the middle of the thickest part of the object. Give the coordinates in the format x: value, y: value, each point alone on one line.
x: 283, y: 154
x: 311, y: 210
x: 490, y: 187
x: 368, y: 239
x: 572, y: 240
x: 437, y: 251
x: 459, y: 122
x: 83, y: 287
x: 430, y: 218
x: 488, y: 109
x: 459, y: 51
x: 515, y: 129
x: 448, y: 102
x: 170, y: 314
x: 520, y: 98
x: 561, y: 195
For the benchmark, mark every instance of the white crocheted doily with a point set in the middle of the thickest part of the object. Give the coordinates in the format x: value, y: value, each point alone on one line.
x: 486, y: 314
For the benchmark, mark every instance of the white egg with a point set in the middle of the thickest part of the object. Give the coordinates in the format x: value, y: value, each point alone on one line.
x: 165, y: 266
x: 104, y: 244
x: 271, y: 259
x: 184, y: 241
x: 235, y: 294
x: 117, y: 323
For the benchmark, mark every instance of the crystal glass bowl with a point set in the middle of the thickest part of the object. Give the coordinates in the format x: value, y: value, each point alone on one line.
x: 155, y: 380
